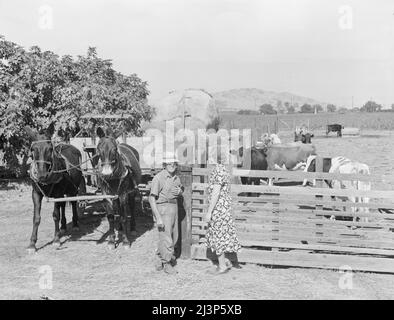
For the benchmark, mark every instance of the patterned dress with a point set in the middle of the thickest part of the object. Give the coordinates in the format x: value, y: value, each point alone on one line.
x: 221, y: 234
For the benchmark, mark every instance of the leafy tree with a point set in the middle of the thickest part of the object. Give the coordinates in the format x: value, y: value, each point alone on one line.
x: 50, y: 93
x: 279, y: 107
x: 392, y: 106
x: 290, y: 109
x: 317, y: 108
x: 331, y: 108
x: 267, y: 108
x: 371, y: 106
x: 307, y: 108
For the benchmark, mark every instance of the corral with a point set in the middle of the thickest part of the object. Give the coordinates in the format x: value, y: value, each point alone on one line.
x: 294, y: 226
x: 84, y: 253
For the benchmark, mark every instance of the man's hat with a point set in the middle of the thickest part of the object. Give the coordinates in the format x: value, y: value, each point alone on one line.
x: 170, y: 157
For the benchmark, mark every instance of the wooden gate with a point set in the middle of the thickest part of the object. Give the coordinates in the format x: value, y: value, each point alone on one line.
x: 302, y: 226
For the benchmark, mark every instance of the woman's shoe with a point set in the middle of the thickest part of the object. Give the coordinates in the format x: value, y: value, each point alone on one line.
x: 219, y: 271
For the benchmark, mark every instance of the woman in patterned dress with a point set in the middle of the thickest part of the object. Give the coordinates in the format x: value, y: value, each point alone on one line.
x: 221, y: 235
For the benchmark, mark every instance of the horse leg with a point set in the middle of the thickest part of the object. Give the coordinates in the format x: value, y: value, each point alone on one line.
x: 75, y: 216
x: 56, y: 218
x: 37, y: 199
x: 124, y: 213
x: 63, y: 222
x: 111, y: 236
x: 117, y: 210
x: 131, y: 214
x: 110, y: 216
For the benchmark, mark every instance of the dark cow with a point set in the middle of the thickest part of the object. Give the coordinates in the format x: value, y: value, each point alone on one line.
x: 252, y: 159
x: 334, y: 128
x: 55, y: 172
x: 303, y: 137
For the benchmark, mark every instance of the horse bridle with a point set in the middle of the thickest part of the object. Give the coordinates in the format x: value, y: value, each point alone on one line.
x: 113, y: 161
x: 49, y: 163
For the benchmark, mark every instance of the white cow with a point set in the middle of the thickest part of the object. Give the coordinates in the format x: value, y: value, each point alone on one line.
x: 346, y: 166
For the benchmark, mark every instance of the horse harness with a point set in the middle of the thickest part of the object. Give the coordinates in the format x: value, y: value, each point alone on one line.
x: 56, y: 155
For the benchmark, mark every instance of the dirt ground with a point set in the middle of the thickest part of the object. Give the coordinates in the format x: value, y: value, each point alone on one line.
x: 84, y: 268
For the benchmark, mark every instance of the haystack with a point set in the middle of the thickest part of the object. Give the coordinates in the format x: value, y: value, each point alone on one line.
x: 198, y: 105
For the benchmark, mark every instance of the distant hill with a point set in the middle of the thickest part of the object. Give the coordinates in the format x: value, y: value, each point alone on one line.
x: 251, y: 98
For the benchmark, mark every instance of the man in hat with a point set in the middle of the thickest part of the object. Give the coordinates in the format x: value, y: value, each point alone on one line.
x: 165, y: 190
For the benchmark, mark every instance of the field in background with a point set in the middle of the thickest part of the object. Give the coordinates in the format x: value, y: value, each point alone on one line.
x: 286, y: 122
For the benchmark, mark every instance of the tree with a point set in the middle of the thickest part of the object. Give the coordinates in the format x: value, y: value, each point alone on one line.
x: 48, y: 93
x: 317, y: 108
x: 331, y: 108
x: 290, y: 109
x: 267, y: 108
x: 306, y: 108
x: 343, y: 110
x: 279, y: 107
x: 392, y: 106
x: 371, y: 106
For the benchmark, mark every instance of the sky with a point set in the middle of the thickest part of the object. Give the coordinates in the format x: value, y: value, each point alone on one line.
x: 329, y: 50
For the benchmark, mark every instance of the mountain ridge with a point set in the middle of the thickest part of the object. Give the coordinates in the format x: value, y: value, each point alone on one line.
x: 253, y: 98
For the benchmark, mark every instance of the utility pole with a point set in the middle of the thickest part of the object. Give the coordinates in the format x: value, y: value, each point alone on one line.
x: 183, y: 101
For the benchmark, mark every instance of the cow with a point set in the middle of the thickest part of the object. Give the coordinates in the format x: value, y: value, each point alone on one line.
x: 334, y: 128
x: 302, y: 134
x: 346, y: 166
x: 251, y: 159
x: 290, y: 156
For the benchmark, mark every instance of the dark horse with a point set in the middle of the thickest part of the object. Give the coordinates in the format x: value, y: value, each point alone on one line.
x: 55, y: 172
x: 119, y: 174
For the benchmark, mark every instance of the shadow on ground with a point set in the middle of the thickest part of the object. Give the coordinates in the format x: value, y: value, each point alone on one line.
x: 92, y: 217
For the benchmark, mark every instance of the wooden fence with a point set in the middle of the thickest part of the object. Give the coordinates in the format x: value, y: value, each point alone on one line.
x: 300, y: 226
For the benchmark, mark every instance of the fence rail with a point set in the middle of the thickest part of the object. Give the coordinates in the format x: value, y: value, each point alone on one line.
x: 303, y: 226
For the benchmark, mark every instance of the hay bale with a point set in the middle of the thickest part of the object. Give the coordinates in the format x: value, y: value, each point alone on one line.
x: 350, y: 132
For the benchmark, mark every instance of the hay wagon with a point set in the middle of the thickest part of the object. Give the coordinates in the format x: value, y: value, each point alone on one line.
x: 298, y: 226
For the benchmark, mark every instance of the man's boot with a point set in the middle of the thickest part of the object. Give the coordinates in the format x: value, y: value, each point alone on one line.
x: 168, y: 268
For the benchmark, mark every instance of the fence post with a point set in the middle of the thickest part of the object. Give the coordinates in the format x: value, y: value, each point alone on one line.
x: 185, y: 212
x: 319, y: 184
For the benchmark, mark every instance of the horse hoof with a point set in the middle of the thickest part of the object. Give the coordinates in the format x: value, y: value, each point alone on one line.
x: 63, y: 232
x: 133, y: 233
x: 126, y: 245
x: 31, y: 250
x: 56, y: 243
x: 111, y: 246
